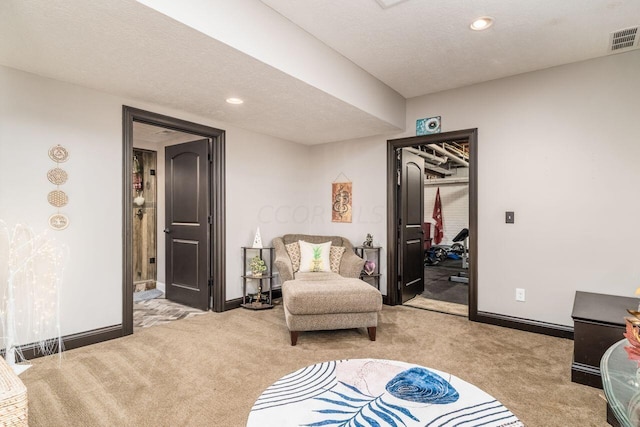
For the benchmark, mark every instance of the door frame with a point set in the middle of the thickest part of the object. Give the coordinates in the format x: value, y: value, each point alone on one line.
x: 217, y: 208
x: 469, y: 135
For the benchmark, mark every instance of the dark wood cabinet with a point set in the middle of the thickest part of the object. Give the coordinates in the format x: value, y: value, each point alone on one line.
x: 598, y: 324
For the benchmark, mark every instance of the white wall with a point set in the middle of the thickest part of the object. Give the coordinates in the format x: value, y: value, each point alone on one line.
x: 363, y: 161
x: 455, y: 208
x: 546, y: 142
x: 559, y: 147
x: 36, y: 113
x: 267, y: 181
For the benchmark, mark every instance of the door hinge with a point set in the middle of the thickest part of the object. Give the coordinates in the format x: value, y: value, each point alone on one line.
x: 398, y: 176
x: 210, y: 219
x: 210, y: 281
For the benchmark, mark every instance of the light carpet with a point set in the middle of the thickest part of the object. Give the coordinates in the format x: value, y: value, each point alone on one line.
x: 209, y: 370
x: 440, y: 306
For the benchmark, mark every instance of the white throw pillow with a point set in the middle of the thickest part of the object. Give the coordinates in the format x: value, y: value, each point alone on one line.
x: 314, y: 257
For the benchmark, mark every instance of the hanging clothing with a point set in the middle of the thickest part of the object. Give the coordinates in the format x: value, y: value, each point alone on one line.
x: 438, y: 229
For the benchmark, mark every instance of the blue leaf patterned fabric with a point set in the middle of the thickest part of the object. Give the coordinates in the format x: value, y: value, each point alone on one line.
x: 423, y: 386
x: 376, y: 393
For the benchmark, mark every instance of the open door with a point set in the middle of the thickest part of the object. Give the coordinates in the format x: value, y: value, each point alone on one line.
x: 411, y: 217
x: 187, y: 223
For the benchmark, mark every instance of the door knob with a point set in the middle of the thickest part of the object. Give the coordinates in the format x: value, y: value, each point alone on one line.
x: 166, y: 230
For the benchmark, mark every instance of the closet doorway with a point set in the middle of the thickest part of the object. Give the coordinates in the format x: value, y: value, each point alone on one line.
x: 415, y: 166
x: 160, y: 156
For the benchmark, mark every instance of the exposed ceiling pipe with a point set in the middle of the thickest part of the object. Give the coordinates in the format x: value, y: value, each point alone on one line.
x: 438, y: 170
x: 449, y: 154
x: 430, y: 157
x: 444, y: 181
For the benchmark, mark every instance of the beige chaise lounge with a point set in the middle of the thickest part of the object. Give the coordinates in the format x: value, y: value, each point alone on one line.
x: 315, y: 301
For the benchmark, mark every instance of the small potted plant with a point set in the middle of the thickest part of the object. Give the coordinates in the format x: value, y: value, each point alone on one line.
x: 257, y: 266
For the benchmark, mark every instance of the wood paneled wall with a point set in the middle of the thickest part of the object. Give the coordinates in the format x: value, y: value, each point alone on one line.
x: 145, y: 223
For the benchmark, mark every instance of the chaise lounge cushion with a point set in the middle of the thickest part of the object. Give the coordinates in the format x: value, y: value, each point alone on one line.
x: 350, y: 263
x: 330, y: 296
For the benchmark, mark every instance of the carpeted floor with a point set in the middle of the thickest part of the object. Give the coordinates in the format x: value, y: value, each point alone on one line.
x: 208, y: 370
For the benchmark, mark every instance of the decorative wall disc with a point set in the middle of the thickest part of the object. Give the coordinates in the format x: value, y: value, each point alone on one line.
x: 57, y: 176
x: 58, y: 153
x: 58, y: 221
x: 57, y: 198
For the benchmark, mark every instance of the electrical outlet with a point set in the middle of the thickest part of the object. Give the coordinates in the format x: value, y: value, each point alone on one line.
x: 520, y: 294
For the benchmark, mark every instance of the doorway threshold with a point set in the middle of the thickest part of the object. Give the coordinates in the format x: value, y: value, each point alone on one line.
x: 440, y: 306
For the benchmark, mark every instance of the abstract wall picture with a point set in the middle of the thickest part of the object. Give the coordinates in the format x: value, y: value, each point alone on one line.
x: 341, y: 198
x: 428, y: 126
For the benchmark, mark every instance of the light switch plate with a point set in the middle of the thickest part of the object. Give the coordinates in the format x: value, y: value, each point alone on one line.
x: 510, y: 217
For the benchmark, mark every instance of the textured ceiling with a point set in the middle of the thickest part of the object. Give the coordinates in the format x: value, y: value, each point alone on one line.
x: 124, y: 48
x: 415, y: 47
x: 423, y: 46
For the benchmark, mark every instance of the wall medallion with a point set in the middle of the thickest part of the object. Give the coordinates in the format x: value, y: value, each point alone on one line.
x: 58, y: 153
x: 58, y: 221
x: 57, y: 198
x: 57, y: 176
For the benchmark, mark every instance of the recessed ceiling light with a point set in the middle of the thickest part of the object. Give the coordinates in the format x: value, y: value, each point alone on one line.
x: 234, y: 101
x: 482, y: 23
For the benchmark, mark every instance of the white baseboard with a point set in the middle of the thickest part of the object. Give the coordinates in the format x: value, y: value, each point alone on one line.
x: 161, y: 286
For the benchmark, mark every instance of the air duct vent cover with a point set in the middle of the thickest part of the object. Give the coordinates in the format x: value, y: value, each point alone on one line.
x: 623, y: 40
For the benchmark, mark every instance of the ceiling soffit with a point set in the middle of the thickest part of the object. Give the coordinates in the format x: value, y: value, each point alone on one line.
x: 124, y: 48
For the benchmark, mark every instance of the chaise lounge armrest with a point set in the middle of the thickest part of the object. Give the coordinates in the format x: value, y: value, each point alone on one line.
x: 282, y: 260
x: 351, y: 265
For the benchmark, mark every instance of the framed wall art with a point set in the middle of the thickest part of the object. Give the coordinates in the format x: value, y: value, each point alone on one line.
x: 428, y: 126
x: 341, y: 199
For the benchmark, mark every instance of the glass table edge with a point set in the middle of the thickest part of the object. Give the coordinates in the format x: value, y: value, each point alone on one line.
x: 616, y: 406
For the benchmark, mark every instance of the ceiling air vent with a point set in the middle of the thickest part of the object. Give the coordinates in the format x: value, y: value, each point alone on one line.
x: 623, y: 40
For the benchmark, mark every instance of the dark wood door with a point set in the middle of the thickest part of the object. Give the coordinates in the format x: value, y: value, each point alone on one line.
x: 411, y: 217
x: 187, y: 223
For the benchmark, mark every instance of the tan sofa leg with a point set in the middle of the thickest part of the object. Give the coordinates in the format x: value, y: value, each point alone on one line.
x: 372, y: 333
x: 294, y: 337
